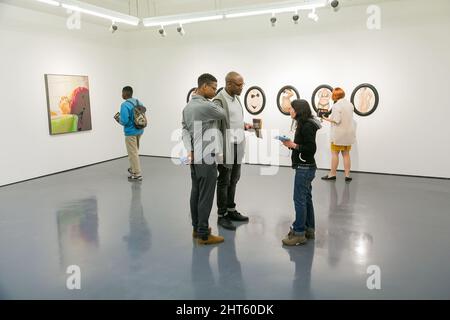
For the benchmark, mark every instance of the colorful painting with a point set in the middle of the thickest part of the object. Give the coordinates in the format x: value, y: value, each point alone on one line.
x: 68, y: 103
x: 255, y: 100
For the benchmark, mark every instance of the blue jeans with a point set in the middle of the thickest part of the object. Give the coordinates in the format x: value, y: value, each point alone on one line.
x: 304, y: 208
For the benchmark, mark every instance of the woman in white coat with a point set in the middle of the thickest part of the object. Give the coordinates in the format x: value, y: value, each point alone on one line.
x: 342, y: 134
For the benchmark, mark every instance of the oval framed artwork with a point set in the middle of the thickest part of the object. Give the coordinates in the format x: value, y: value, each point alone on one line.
x: 321, y: 100
x: 280, y: 95
x: 365, y: 99
x: 255, y: 100
x: 189, y: 95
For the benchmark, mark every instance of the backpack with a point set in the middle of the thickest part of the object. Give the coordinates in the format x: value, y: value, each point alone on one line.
x: 140, y: 120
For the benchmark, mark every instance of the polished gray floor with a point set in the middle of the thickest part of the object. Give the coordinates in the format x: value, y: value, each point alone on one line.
x: 133, y: 241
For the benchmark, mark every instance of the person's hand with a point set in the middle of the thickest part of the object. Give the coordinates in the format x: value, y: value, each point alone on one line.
x: 289, y: 144
x: 248, y: 126
x: 288, y: 93
x: 191, y: 157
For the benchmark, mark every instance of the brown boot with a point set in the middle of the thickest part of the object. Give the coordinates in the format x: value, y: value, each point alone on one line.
x: 310, y: 234
x: 294, y: 240
x: 195, y: 235
x: 211, y: 240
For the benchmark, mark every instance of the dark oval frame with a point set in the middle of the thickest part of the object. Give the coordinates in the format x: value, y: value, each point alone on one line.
x: 263, y: 96
x: 189, y: 94
x: 377, y: 99
x: 313, y: 102
x: 279, y: 96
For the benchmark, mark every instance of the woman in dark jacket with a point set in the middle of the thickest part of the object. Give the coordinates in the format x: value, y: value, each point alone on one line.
x: 303, y: 149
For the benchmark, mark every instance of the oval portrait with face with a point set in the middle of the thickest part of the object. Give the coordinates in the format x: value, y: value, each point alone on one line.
x: 365, y: 99
x: 255, y: 100
x: 189, y: 96
x: 284, y: 109
x: 321, y: 100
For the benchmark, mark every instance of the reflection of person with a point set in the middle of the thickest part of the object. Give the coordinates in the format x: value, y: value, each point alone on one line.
x: 132, y: 134
x: 199, y: 116
x: 232, y: 128
x: 138, y: 239
x: 303, y: 261
x: 342, y: 234
x: 202, y: 275
x: 342, y: 133
x: 365, y: 101
x: 303, y: 149
x: 231, y: 283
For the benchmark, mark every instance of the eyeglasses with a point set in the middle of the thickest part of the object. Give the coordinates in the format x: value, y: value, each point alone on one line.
x: 238, y: 84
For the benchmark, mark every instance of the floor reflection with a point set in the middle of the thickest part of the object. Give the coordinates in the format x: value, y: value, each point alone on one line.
x: 77, y: 224
x: 139, y: 237
x: 343, y: 223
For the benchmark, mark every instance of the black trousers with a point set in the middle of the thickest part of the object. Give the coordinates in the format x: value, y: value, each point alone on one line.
x: 204, y: 177
x: 226, y: 185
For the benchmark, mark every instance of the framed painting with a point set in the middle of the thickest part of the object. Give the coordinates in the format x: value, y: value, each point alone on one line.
x: 255, y: 100
x: 284, y: 109
x: 68, y: 103
x: 321, y: 100
x: 365, y: 99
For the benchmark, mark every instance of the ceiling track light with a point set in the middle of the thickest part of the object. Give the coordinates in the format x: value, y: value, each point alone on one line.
x: 296, y: 17
x: 162, y: 32
x: 335, y: 5
x: 273, y: 20
x: 113, y: 27
x: 180, y: 30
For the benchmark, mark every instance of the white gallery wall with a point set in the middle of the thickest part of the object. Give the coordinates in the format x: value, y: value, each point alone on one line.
x: 31, y: 45
x: 407, y: 60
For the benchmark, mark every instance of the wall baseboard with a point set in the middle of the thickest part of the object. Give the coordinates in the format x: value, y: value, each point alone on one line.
x: 249, y: 164
x: 326, y: 169
x: 52, y: 174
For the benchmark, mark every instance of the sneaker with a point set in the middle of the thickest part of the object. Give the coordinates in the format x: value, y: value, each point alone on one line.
x: 310, y: 233
x: 129, y: 171
x: 293, y: 240
x: 327, y: 178
x: 211, y: 239
x: 134, y: 178
x: 226, y: 223
x: 236, y: 216
x: 195, y: 234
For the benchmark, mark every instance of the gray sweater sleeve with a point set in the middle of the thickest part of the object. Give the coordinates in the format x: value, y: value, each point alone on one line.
x: 187, y: 140
x: 213, y: 112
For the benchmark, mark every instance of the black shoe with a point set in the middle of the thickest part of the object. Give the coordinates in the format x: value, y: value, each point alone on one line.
x: 329, y: 178
x: 226, y: 223
x: 236, y: 216
x: 348, y: 179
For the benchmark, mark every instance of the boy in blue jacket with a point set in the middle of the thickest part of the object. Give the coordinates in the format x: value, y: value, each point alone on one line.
x: 132, y: 134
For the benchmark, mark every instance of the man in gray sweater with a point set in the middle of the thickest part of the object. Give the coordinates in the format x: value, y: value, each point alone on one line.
x: 200, y: 118
x: 232, y: 129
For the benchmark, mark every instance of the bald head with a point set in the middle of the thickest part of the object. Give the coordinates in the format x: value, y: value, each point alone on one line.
x: 234, y: 83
